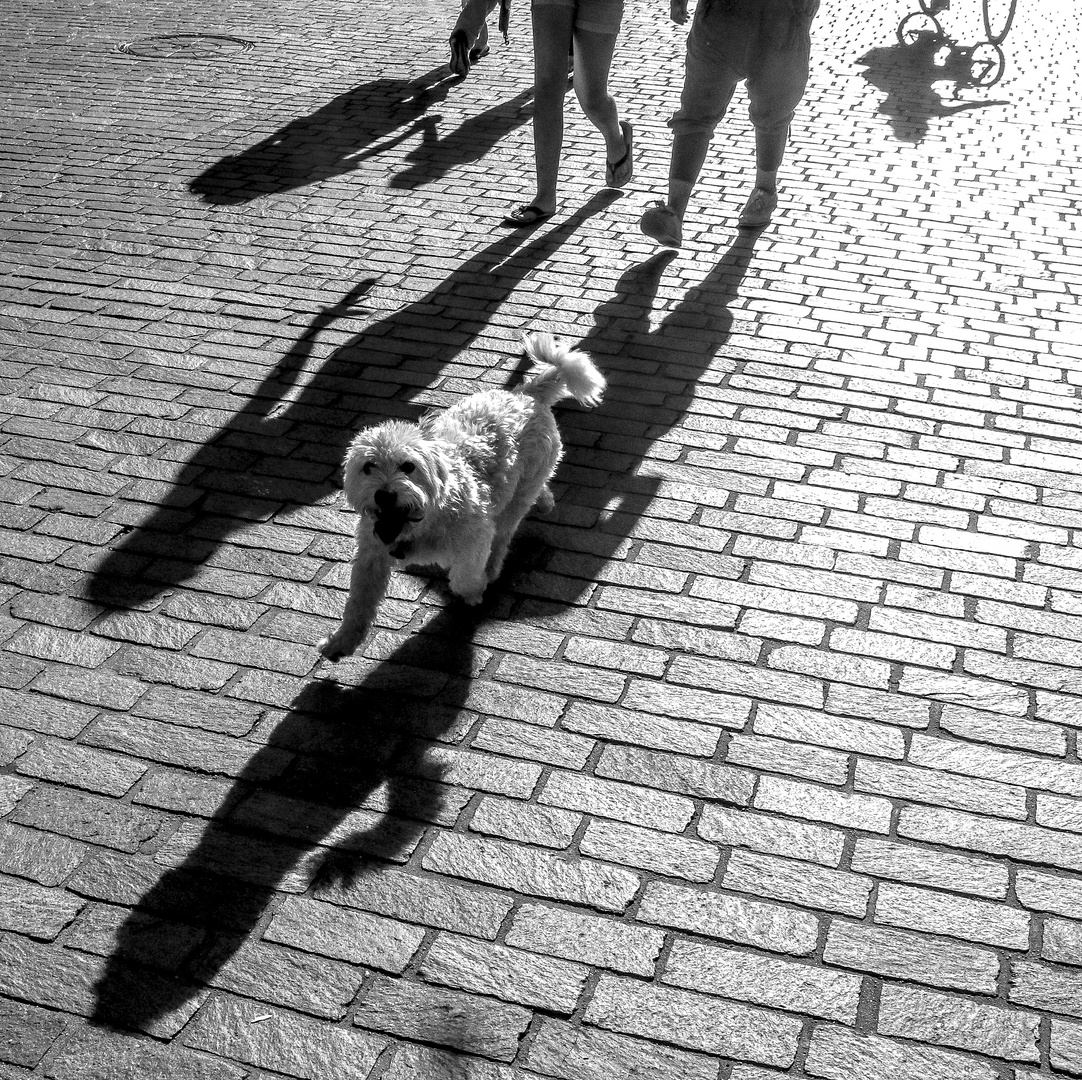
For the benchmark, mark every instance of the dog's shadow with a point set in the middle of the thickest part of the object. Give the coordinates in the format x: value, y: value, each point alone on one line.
x: 338, y: 748
x: 608, y: 478
x: 284, y: 445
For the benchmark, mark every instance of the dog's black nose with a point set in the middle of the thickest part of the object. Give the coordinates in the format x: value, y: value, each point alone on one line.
x: 385, y: 500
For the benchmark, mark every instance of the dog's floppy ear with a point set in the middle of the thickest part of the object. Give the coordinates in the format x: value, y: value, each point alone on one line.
x: 359, y: 455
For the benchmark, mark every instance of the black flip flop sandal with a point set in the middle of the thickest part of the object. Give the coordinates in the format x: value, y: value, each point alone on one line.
x: 618, y: 173
x: 526, y: 215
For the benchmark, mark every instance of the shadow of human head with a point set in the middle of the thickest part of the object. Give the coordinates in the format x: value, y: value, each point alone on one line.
x: 325, y: 143
x: 342, y: 787
x: 907, y: 75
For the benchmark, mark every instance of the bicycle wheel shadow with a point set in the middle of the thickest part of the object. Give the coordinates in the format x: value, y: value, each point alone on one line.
x: 654, y: 378
x: 295, y: 814
x: 339, y: 136
x: 907, y: 75
x: 283, y: 446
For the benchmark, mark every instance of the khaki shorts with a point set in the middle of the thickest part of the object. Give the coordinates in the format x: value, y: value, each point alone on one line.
x: 600, y: 16
x: 762, y: 41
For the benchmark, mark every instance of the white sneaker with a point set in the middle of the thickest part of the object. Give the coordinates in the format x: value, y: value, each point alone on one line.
x: 662, y: 225
x: 759, y: 209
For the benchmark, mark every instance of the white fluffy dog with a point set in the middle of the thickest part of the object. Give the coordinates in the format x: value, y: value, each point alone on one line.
x: 453, y: 489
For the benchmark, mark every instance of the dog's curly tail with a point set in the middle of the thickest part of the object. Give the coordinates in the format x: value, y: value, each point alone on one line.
x: 559, y: 372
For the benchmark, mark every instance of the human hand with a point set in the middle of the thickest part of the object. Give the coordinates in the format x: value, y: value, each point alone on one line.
x: 678, y: 11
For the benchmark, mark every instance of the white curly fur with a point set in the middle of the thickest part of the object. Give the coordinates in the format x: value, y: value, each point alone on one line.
x: 453, y: 489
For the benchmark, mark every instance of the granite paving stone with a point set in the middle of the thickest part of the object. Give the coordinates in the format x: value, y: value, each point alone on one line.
x: 760, y: 758
x: 445, y: 1017
x: 763, y: 980
x: 694, y: 1021
x: 247, y: 1031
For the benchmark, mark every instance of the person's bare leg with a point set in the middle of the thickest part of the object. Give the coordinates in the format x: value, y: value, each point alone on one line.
x: 769, y: 150
x: 664, y: 221
x: 763, y: 200
x: 551, y: 40
x: 689, y: 150
x: 592, y: 60
x: 775, y: 90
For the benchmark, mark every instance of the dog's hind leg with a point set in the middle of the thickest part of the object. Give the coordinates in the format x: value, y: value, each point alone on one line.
x: 510, y: 518
x: 367, y: 584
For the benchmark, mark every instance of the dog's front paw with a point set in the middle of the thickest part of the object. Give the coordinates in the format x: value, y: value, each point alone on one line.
x: 341, y: 644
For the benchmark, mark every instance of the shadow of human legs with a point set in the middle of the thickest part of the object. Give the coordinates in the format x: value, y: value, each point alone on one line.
x: 308, y: 792
x: 615, y: 463
x: 284, y: 444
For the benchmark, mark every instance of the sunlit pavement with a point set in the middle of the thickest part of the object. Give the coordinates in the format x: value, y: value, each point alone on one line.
x: 760, y: 759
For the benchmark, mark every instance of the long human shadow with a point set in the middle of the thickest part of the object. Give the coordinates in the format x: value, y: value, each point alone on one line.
x: 340, y: 135
x: 284, y: 444
x: 907, y: 74
x: 285, y: 821
x: 652, y: 379
x: 470, y: 141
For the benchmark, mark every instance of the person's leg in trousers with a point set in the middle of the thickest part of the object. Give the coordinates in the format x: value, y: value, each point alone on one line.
x: 708, y: 89
x: 775, y: 89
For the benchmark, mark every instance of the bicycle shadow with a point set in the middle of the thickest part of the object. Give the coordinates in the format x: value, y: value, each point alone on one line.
x: 284, y: 445
x: 611, y: 476
x: 339, y: 136
x: 292, y: 817
x: 907, y: 75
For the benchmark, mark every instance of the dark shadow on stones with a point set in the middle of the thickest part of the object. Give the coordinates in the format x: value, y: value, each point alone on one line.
x: 339, y: 136
x: 605, y: 479
x: 471, y: 141
x: 273, y: 453
x: 333, y: 750
x: 325, y: 143
x: 907, y: 75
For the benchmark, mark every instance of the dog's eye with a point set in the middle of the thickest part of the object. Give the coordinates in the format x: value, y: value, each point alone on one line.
x: 407, y: 466
x: 366, y: 468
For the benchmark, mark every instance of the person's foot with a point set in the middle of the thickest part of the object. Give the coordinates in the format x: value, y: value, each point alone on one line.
x: 460, y: 53
x: 530, y: 214
x: 618, y: 173
x: 759, y: 209
x: 660, y: 223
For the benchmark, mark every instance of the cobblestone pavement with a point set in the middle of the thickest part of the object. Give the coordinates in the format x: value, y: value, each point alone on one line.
x: 761, y: 760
